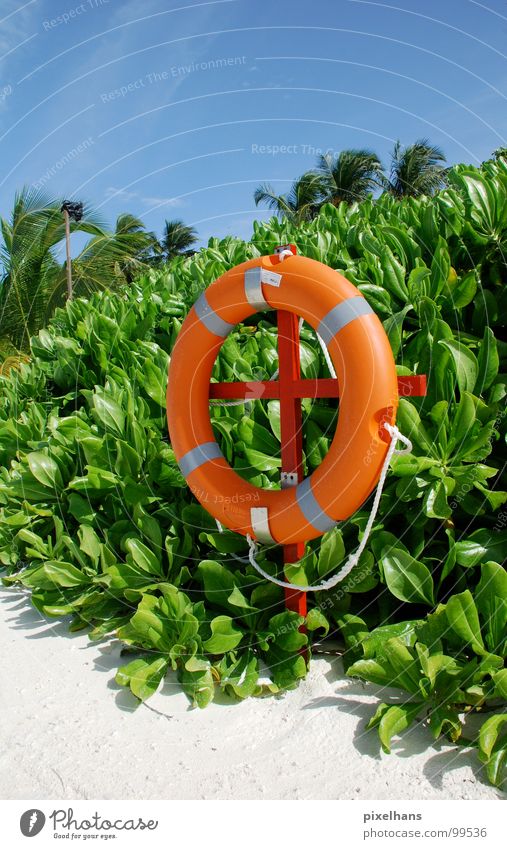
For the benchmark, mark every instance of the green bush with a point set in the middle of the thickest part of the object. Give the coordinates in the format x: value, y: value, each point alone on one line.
x: 97, y: 522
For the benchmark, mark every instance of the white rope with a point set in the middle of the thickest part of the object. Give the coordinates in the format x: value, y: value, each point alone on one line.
x: 236, y: 556
x: 353, y: 559
x: 327, y: 357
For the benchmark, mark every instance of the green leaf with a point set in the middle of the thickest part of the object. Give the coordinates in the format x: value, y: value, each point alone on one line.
x: 445, y: 720
x: 54, y: 573
x: 89, y: 543
x: 224, y: 541
x: 463, y: 421
x: 393, y: 326
x: 124, y: 673
x: 482, y: 545
x: 435, y: 502
x: 500, y: 682
x: 393, y: 275
x: 145, y: 680
x: 285, y: 629
x: 315, y: 619
x: 261, y: 462
x: 408, y: 466
x: 316, y: 443
x: 395, y: 720
x: 407, y: 578
x: 377, y: 716
x: 492, y: 585
x: 489, y: 732
x: 374, y: 643
x: 143, y: 557
x: 331, y: 553
x: 224, y: 636
x: 418, y: 283
x: 464, y: 291
x: 403, y: 663
x: 286, y: 668
x: 237, y: 599
x: 440, y: 267
x: 45, y: 470
x: 198, y: 684
x: 463, y: 618
x: 154, y: 381
x: 491, y: 602
x: 465, y: 364
x: 242, y: 675
x: 257, y: 437
x: 409, y: 422
x: 497, y: 767
x: 363, y: 576
x: 96, y: 480
x: 371, y: 670
x: 488, y: 362
x: 274, y: 418
x: 109, y: 412
x: 354, y: 630
x: 218, y: 582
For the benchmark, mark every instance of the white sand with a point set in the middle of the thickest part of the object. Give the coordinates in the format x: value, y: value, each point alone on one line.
x: 70, y: 732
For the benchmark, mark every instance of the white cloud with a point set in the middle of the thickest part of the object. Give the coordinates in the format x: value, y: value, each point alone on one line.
x: 113, y: 192
x: 154, y: 201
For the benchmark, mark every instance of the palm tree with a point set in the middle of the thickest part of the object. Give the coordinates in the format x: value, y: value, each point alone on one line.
x: 29, y: 265
x: 350, y: 176
x: 111, y: 258
x: 500, y: 153
x: 415, y: 170
x: 33, y: 281
x: 302, y: 201
x: 177, y: 240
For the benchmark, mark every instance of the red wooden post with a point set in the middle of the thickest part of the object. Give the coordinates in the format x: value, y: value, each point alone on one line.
x: 291, y: 432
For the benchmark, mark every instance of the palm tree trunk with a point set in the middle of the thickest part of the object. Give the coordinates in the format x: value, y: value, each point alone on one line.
x: 67, y: 247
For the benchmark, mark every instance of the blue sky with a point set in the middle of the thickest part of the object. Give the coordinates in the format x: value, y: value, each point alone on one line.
x: 180, y: 109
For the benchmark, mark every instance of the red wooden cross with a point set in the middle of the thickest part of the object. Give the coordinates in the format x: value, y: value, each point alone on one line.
x: 289, y: 389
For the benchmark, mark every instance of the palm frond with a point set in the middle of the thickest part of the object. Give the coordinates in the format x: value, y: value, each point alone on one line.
x: 350, y: 176
x: 177, y: 238
x: 416, y: 169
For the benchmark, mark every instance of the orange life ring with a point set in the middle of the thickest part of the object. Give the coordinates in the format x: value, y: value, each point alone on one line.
x: 366, y: 373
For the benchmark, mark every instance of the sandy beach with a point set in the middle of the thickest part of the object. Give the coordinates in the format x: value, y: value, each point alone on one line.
x: 71, y: 733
